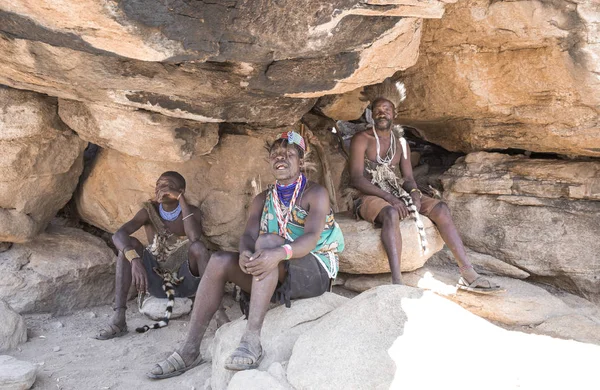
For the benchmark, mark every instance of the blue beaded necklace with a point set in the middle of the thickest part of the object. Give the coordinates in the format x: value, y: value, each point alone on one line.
x: 169, y: 215
x: 285, y: 193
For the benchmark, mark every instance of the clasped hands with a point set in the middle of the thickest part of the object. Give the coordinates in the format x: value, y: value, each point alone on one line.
x: 261, y: 262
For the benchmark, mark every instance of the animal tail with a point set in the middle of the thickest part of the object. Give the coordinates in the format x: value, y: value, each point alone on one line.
x: 421, y: 229
x: 168, y: 287
x: 418, y: 221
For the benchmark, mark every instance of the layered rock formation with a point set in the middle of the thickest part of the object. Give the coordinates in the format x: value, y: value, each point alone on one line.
x: 505, y: 74
x: 539, y: 215
x: 40, y: 163
x: 221, y: 184
x: 139, y: 133
x: 208, y: 61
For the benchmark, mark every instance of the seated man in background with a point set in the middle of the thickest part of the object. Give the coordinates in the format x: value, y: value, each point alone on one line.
x: 288, y: 250
x: 376, y: 165
x: 172, y: 227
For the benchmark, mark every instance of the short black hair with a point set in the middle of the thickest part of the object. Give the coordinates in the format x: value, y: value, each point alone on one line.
x: 381, y: 99
x: 177, y: 176
x: 284, y: 142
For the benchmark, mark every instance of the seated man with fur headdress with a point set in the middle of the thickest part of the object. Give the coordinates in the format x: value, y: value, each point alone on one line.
x: 381, y: 171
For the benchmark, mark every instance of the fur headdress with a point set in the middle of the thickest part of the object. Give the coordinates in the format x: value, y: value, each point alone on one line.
x: 395, y: 92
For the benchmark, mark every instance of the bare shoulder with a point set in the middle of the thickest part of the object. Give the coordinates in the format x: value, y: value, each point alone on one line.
x: 315, y: 192
x: 362, y: 137
x: 260, y: 198
x: 142, y: 215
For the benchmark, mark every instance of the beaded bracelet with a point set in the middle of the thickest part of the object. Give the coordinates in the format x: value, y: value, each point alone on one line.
x: 288, y: 251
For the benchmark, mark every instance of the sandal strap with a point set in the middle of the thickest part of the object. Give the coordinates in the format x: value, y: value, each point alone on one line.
x: 171, y: 364
x: 242, y: 351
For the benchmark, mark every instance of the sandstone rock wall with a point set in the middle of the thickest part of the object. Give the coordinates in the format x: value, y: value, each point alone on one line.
x: 208, y: 61
x: 220, y: 184
x: 509, y: 74
x: 40, y: 163
x: 139, y: 133
x: 539, y: 215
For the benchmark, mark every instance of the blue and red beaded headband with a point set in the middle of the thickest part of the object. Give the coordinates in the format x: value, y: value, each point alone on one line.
x: 294, y: 138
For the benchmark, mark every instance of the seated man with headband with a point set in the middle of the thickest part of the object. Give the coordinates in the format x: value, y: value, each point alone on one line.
x: 288, y: 250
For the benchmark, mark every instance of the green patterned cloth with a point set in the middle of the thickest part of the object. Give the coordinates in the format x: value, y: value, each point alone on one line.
x: 330, y: 243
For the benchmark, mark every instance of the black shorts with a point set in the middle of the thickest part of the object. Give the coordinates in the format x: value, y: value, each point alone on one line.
x: 187, y: 288
x: 305, y: 278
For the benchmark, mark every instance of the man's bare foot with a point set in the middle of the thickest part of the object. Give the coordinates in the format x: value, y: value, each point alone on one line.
x: 247, y: 355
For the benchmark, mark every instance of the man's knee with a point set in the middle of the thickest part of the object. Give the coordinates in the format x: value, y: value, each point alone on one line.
x: 221, y: 262
x: 440, y: 212
x: 197, y: 250
x: 267, y: 241
x: 389, y: 214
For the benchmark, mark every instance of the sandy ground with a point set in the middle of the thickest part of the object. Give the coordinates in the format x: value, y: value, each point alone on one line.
x: 68, y: 357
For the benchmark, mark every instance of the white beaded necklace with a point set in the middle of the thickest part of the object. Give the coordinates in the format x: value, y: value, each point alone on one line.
x: 389, y: 156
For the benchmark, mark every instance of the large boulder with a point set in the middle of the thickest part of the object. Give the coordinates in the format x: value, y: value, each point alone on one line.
x: 139, y: 133
x: 208, y: 61
x: 59, y: 271
x: 220, y: 184
x: 499, y: 201
x: 364, y: 253
x: 12, y: 329
x: 40, y: 163
x: 281, y: 329
x: 478, y: 83
x: 397, y: 336
x: 524, y: 304
x: 16, y: 374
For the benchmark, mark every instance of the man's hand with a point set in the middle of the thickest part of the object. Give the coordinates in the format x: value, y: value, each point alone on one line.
x: 244, y: 260
x: 166, y: 192
x: 139, y: 275
x: 400, y: 207
x: 263, y: 261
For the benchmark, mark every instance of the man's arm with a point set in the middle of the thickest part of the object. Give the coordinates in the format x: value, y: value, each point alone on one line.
x: 121, y: 238
x: 252, y: 229
x: 191, y: 220
x: 409, y: 181
x: 358, y: 149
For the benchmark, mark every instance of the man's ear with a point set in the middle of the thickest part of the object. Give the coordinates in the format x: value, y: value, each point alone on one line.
x: 301, y: 164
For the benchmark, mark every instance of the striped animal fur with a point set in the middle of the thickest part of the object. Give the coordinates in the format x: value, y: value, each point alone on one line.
x: 385, y: 179
x: 169, y: 280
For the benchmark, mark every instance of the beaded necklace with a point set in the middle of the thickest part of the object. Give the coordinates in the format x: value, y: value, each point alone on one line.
x: 285, y: 193
x: 389, y: 156
x: 282, y: 220
x: 169, y: 215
